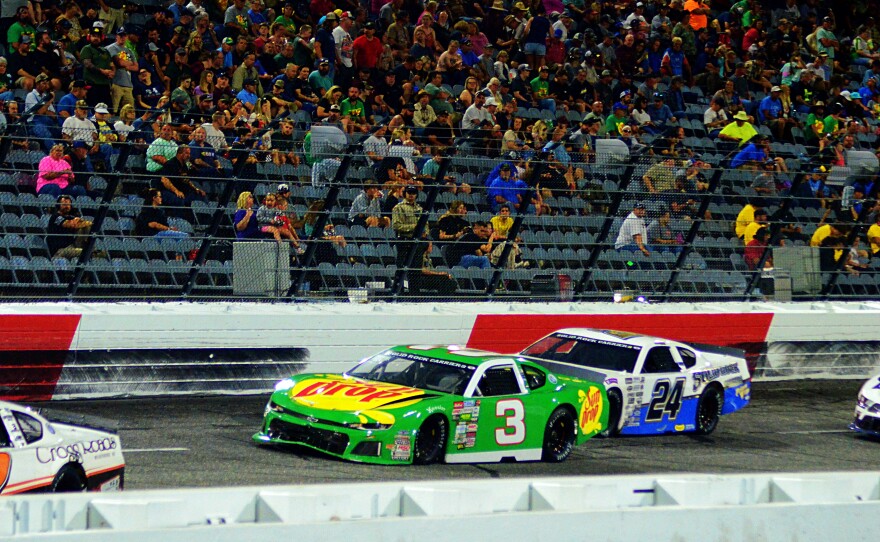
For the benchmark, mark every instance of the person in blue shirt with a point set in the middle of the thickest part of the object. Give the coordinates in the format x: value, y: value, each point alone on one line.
x: 65, y: 106
x: 248, y: 95
x: 468, y: 57
x: 660, y: 114
x: 756, y: 152
x: 506, y: 189
x: 772, y: 114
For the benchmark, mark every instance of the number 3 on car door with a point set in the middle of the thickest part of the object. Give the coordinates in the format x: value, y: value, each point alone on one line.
x: 514, y: 430
x: 665, y: 399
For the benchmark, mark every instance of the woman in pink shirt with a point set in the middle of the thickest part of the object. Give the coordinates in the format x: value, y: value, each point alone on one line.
x: 55, y: 176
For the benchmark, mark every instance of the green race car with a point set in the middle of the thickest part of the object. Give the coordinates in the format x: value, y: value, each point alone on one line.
x: 424, y: 404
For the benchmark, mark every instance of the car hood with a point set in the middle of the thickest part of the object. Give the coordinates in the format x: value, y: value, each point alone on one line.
x: 348, y: 394
x: 871, y: 389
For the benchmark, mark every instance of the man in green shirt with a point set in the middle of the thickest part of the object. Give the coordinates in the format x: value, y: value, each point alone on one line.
x: 541, y: 90
x: 354, y: 112
x: 286, y: 19
x: 21, y: 27
x: 98, y: 68
x: 615, y: 120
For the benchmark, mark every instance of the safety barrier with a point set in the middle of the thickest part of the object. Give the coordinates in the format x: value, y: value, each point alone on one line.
x: 737, y: 507
x: 61, y: 351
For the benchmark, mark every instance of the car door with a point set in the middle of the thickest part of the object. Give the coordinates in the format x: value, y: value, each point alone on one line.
x: 664, y: 386
x: 497, y: 420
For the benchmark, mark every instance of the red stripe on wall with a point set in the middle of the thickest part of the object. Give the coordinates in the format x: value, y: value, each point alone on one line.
x: 33, y: 349
x: 512, y: 333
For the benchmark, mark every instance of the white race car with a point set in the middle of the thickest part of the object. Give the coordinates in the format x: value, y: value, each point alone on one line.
x: 654, y: 385
x: 867, y: 420
x: 38, y: 455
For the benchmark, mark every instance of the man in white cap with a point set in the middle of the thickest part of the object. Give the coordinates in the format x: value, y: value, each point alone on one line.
x: 772, y: 114
x: 634, y: 232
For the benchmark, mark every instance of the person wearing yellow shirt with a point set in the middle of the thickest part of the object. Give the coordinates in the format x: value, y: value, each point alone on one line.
x: 874, y: 237
x: 739, y: 131
x: 502, y: 222
x: 822, y: 232
x: 759, y: 222
x: 745, y: 217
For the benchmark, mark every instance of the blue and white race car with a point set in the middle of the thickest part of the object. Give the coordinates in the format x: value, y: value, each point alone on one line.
x: 654, y: 385
x: 867, y: 419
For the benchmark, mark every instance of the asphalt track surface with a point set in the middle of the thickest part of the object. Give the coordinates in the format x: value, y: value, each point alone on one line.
x: 206, y: 441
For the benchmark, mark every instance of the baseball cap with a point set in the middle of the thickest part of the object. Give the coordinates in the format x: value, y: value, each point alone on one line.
x: 775, y: 89
x: 334, y: 107
x: 79, y: 83
x: 121, y: 30
x: 626, y: 129
x: 324, y: 61
x: 180, y: 51
x: 82, y: 104
x: 411, y: 190
x: 524, y: 67
x: 283, y: 188
x: 331, y: 16
x: 80, y: 145
x: 491, y: 101
x: 250, y: 81
x: 25, y: 38
x: 505, y: 167
x: 102, y: 108
x: 639, y: 205
x: 41, y: 77
x: 153, y: 47
x: 606, y: 73
x: 370, y: 25
x: 98, y: 24
x: 229, y: 41
x: 279, y: 84
x: 619, y: 105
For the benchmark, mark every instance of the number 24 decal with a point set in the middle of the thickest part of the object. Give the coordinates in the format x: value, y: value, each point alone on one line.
x: 665, y: 399
x: 514, y: 430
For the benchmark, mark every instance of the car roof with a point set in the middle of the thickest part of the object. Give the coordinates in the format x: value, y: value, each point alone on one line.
x: 615, y: 336
x: 452, y: 352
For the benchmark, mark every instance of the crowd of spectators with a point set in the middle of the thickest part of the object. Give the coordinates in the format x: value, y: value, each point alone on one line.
x: 536, y: 86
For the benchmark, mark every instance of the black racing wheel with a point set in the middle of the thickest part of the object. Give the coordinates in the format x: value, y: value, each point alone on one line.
x: 559, y: 436
x: 431, y: 441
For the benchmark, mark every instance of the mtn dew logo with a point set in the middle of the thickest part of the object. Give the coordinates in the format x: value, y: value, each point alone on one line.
x: 591, y: 410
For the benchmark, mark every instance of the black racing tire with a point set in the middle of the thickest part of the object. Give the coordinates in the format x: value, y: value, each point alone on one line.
x: 430, y: 445
x: 70, y: 479
x: 615, y: 410
x: 708, y: 410
x: 559, y: 436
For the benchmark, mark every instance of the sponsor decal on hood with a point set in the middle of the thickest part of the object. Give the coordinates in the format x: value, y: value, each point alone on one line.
x: 336, y: 392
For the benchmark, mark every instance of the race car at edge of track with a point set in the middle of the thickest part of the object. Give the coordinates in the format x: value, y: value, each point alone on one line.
x: 64, y: 454
x: 426, y: 404
x: 654, y: 385
x: 867, y: 416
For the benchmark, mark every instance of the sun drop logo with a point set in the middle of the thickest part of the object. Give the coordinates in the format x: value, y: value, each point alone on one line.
x: 591, y: 410
x: 338, y: 393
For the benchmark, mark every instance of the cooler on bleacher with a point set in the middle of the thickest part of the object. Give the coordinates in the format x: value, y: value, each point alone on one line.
x: 553, y: 286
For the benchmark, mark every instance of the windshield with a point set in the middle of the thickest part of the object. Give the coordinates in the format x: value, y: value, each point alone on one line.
x: 415, y: 371
x: 585, y: 352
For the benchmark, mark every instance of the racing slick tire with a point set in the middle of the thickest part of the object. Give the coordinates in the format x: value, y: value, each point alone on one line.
x: 708, y: 410
x: 615, y: 410
x: 70, y: 479
x: 430, y: 444
x: 559, y: 436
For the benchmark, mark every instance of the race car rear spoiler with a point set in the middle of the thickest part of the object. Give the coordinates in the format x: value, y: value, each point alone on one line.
x: 80, y: 420
x: 714, y: 349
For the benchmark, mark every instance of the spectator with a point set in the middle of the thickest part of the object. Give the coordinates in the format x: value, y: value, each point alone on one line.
x: 125, y: 64
x: 660, y: 177
x: 245, y: 218
x: 452, y: 224
x: 633, y: 233
x: 405, y: 214
x: 152, y: 220
x: 65, y: 108
x: 429, y: 279
x: 67, y: 232
x: 366, y: 208
x: 755, y: 248
x: 506, y: 189
x: 874, y: 237
x: 715, y: 118
x: 753, y: 154
x: 759, y: 221
x: 98, y: 67
x: 162, y: 149
x: 472, y: 249
x: 55, y: 176
x: 660, y: 236
x: 740, y: 131
x: 177, y: 189
x: 39, y: 102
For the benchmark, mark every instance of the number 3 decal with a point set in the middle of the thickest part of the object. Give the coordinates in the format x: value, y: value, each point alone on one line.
x: 514, y: 430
